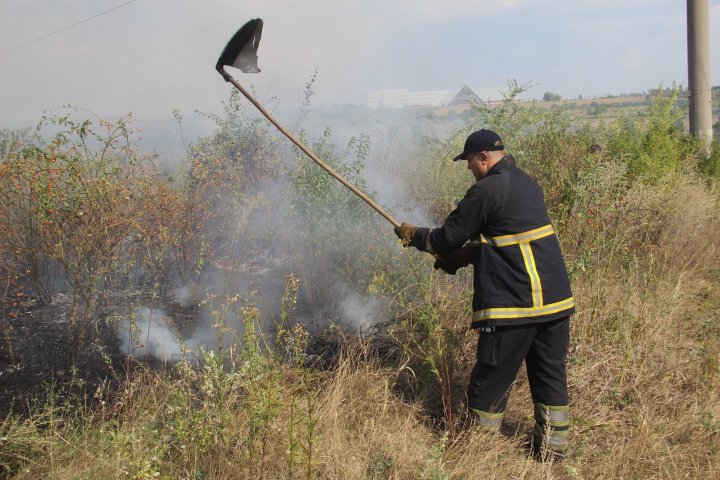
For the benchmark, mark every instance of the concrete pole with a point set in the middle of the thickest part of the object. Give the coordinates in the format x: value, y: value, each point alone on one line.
x: 698, y: 35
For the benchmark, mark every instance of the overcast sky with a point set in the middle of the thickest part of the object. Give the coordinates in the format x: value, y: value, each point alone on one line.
x: 153, y: 56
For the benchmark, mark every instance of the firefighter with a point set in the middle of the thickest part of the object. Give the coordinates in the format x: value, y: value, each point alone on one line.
x: 522, y: 299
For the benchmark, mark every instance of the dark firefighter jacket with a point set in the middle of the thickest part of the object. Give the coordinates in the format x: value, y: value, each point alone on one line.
x: 520, y: 275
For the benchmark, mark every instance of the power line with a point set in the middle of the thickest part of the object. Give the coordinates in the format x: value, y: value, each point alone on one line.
x: 65, y: 28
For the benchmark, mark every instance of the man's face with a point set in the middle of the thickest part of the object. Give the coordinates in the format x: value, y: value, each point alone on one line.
x: 477, y: 164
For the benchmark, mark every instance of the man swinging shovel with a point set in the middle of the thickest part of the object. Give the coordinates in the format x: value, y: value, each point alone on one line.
x: 522, y: 299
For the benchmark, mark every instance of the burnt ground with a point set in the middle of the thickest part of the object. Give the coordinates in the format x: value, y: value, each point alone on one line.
x: 38, y: 359
x: 38, y: 363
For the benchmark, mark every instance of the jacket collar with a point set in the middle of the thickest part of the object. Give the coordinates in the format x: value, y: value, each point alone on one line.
x: 503, y: 164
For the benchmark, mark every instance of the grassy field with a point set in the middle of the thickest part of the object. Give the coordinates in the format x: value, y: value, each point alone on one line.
x: 291, y: 382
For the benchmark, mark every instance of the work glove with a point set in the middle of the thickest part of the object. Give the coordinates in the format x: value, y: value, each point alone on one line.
x: 405, y: 233
x: 451, y: 262
x: 445, y: 266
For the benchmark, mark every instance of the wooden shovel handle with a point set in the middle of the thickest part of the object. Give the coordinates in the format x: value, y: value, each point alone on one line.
x: 307, y: 151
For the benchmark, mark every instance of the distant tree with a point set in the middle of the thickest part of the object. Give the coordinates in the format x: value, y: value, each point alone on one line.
x: 551, y: 97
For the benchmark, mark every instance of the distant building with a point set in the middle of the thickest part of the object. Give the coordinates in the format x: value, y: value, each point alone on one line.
x: 464, y: 97
x: 401, y: 98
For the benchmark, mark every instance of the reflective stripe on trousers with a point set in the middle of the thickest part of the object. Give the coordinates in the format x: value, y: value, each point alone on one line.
x: 489, y: 420
x: 551, y: 427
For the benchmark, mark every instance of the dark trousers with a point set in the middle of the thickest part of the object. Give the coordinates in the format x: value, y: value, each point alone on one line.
x: 500, y: 354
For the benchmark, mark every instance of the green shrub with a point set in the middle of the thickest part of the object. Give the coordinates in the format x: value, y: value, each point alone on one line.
x: 653, y: 143
x: 336, y: 240
x: 709, y: 165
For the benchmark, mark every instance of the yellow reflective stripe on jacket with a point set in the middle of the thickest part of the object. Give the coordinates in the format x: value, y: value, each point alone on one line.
x: 514, y: 239
x: 535, y: 285
x: 520, y: 312
x: 523, y: 239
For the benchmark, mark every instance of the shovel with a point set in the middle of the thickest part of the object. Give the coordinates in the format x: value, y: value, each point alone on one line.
x: 241, y: 52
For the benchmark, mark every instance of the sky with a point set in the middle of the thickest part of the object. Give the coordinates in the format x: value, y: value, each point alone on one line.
x: 151, y: 57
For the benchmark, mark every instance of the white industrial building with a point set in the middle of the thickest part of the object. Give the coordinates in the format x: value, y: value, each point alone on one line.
x: 401, y: 98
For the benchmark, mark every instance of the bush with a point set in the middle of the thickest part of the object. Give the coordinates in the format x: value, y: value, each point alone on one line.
x: 334, y: 240
x: 653, y: 144
x: 82, y: 212
x: 709, y: 165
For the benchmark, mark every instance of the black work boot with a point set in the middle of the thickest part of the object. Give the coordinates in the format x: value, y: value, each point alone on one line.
x: 541, y: 451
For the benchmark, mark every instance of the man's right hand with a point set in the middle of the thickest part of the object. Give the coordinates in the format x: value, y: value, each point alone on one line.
x: 405, y: 233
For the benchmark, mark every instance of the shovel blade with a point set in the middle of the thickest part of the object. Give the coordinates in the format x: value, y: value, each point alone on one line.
x: 241, y: 50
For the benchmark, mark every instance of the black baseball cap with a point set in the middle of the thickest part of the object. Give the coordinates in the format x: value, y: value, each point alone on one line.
x: 481, y: 141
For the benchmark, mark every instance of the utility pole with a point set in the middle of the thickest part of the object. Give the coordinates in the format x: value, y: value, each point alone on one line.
x: 698, y: 41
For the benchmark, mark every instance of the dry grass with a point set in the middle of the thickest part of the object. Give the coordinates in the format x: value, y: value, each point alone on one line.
x: 644, y: 372
x: 644, y: 366
x: 365, y: 430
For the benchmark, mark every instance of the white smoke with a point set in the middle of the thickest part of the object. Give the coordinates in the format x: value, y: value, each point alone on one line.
x: 359, y: 310
x: 268, y: 238
x: 150, y: 332
x: 183, y: 295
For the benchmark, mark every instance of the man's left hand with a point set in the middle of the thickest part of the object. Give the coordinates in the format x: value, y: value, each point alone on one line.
x: 445, y: 266
x: 452, y: 261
